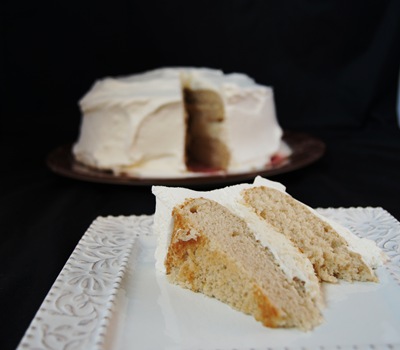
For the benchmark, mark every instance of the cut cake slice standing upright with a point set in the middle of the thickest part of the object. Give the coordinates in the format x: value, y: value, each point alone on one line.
x: 257, y: 249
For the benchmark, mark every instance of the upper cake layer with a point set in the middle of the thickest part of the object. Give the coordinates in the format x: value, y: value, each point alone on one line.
x: 137, y: 124
x: 332, y: 249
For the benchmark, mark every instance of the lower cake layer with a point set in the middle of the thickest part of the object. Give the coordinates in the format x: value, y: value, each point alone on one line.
x: 213, y: 251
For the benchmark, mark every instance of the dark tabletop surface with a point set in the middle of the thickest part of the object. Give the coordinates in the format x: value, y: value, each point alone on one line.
x: 339, y: 84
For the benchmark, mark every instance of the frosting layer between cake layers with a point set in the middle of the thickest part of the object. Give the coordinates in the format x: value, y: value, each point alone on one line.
x: 137, y: 124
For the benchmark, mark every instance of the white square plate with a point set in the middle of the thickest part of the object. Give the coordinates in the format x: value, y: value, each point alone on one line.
x: 109, y: 296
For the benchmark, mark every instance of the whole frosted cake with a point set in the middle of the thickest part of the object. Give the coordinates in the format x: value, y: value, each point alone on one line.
x: 173, y: 121
x: 257, y: 249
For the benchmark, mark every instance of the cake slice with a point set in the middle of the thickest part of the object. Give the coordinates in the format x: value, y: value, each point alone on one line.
x: 259, y: 250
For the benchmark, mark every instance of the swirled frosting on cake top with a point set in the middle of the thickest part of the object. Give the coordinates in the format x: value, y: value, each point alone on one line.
x: 140, y: 124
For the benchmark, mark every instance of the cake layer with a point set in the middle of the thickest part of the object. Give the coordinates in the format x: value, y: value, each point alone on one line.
x: 213, y: 251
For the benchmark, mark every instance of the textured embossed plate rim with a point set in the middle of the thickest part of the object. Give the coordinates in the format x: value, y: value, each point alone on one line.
x: 76, y: 312
x: 123, y: 231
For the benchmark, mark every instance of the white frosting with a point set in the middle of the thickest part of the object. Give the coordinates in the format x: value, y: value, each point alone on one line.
x: 372, y: 255
x: 294, y: 264
x: 128, y: 123
x: 136, y: 124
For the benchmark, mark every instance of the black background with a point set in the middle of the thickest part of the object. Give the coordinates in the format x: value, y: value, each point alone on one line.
x: 334, y: 67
